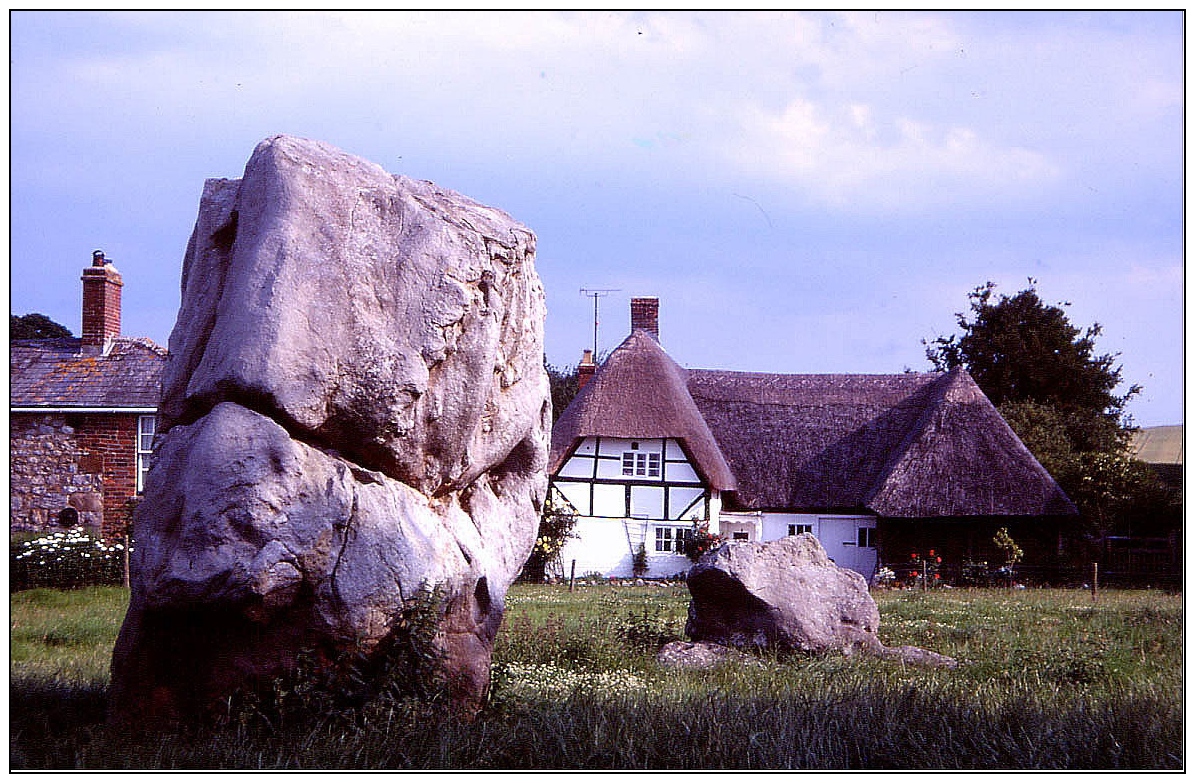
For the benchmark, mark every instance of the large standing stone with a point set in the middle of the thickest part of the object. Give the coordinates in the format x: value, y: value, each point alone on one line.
x: 354, y: 412
x: 787, y: 595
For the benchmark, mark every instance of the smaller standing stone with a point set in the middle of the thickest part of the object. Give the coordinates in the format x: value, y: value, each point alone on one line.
x: 788, y: 596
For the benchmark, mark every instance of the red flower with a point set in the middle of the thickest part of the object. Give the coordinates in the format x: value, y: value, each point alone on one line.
x: 939, y: 560
x: 913, y: 556
x: 931, y: 553
x: 937, y: 576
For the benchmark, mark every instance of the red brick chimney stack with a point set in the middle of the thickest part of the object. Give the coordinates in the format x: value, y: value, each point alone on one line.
x: 645, y: 315
x: 585, y: 369
x: 101, y: 304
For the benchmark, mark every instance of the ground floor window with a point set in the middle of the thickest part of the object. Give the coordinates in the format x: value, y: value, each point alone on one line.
x: 672, y: 539
x: 867, y: 537
x: 742, y: 536
x: 146, y: 427
x: 796, y: 530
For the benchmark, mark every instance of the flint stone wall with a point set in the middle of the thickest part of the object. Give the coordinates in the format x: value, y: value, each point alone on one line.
x: 52, y: 469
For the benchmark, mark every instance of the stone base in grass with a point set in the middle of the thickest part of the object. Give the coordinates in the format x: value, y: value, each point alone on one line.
x: 701, y: 655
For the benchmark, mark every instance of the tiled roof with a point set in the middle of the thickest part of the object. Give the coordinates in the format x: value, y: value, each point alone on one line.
x: 55, y: 373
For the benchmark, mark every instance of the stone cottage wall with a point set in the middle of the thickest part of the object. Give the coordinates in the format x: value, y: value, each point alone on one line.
x: 48, y: 473
x: 87, y: 462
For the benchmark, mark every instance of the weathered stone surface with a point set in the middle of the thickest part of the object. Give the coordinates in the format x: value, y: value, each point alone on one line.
x: 354, y: 410
x: 701, y: 655
x: 787, y: 595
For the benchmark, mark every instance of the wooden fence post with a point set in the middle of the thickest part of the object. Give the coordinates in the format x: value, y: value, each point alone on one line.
x: 572, y: 572
x: 1095, y: 582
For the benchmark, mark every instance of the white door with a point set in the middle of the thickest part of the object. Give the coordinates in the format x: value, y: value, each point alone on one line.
x: 850, y: 542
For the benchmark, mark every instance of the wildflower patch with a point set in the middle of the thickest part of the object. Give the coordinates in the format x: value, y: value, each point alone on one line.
x: 65, y: 560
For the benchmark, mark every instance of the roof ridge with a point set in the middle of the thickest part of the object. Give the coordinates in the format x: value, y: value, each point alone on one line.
x: 145, y: 342
x: 712, y: 371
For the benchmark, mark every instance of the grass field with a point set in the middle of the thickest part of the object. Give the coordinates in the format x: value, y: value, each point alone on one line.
x: 1049, y: 680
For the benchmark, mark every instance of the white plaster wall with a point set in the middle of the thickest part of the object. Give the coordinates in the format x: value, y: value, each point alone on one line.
x: 577, y: 494
x: 680, y: 498
x: 607, y: 546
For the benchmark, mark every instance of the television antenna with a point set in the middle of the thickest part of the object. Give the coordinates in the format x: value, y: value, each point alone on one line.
x: 597, y: 293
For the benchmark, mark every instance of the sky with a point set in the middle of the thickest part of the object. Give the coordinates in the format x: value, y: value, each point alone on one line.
x: 804, y: 192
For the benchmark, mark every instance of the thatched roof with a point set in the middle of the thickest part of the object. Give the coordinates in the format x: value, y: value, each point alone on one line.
x: 55, y: 373
x: 639, y: 392
x: 962, y: 459
x: 906, y: 445
x: 807, y: 441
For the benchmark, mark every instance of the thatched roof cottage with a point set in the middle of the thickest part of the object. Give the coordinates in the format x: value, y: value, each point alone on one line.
x: 873, y: 465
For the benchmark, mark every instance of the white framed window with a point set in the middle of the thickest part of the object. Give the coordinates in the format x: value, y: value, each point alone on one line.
x: 146, y: 427
x: 641, y: 463
x: 798, y: 529
x: 867, y: 537
x: 672, y: 539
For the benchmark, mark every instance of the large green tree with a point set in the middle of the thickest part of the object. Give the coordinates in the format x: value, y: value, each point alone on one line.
x: 34, y: 326
x: 1021, y: 350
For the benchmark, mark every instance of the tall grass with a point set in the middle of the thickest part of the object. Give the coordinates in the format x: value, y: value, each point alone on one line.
x: 1049, y: 680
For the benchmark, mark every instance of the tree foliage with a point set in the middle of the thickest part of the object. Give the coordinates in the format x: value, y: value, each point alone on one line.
x: 563, y: 384
x: 34, y: 326
x: 1020, y: 349
x: 1059, y: 396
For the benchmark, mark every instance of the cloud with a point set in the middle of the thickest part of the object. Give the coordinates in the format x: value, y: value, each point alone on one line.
x: 843, y: 157
x: 883, y: 111
x: 864, y: 163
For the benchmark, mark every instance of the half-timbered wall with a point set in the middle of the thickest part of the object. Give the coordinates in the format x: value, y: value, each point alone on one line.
x: 630, y: 493
x: 648, y: 478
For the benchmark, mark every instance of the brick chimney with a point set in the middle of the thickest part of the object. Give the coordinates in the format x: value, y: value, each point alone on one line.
x: 645, y: 315
x: 585, y: 369
x: 101, y: 304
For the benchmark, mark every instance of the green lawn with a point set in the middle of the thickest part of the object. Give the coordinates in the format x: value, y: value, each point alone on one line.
x: 1049, y: 680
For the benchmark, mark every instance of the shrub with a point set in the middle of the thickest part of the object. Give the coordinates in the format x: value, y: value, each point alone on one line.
x: 975, y: 574
x: 925, y: 571
x: 402, y: 672
x: 65, y: 560
x: 640, y: 566
x: 555, y: 529
x: 702, y: 541
x: 650, y: 629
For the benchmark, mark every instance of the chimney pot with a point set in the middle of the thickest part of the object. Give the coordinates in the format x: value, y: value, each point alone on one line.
x: 585, y: 369
x: 101, y: 304
x: 645, y: 315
